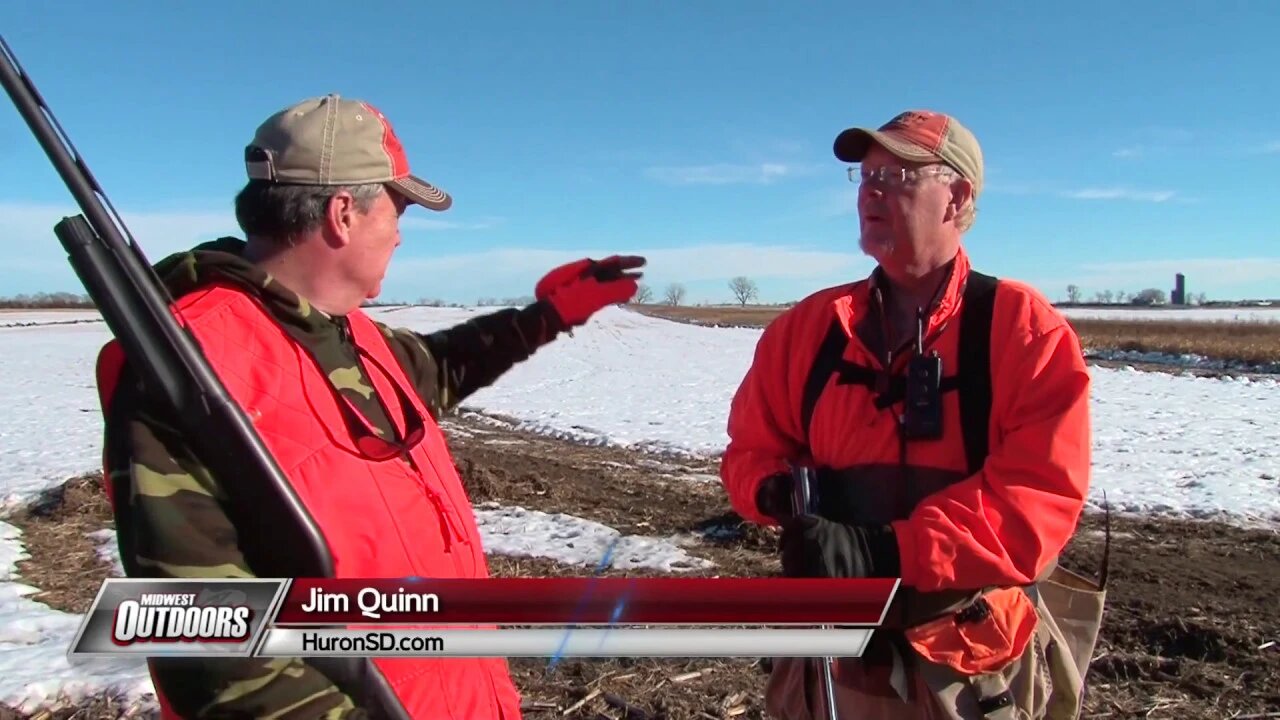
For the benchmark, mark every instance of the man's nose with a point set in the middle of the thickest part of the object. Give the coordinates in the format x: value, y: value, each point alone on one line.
x: 871, y: 190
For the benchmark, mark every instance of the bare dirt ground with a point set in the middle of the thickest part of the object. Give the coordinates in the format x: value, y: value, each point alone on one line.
x: 1253, y: 343
x: 1192, y: 605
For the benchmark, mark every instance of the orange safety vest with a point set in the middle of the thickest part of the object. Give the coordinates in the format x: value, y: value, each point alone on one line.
x: 387, y: 519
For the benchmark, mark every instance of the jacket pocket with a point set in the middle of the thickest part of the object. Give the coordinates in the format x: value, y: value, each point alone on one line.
x: 984, y: 637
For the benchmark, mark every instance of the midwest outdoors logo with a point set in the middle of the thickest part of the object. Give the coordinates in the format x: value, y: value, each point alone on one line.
x: 220, y: 617
x: 175, y: 617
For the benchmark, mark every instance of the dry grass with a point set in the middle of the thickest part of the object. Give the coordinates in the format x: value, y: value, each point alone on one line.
x: 1248, y: 342
x: 62, y: 555
x: 97, y: 707
x: 1253, y: 343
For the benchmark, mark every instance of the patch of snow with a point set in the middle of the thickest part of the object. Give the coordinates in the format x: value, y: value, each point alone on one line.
x: 1163, y: 444
x: 109, y: 549
x: 1267, y: 314
x: 1184, y: 360
x: 624, y: 379
x: 34, y: 638
x: 53, y: 428
x: 1187, y: 446
x: 1180, y: 446
x: 576, y: 541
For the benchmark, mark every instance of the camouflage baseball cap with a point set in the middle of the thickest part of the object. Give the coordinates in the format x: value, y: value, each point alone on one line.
x: 919, y: 136
x: 335, y: 141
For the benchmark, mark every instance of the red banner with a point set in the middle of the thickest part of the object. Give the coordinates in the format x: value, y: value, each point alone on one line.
x: 588, y: 601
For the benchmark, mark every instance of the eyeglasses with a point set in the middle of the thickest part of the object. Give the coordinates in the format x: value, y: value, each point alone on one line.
x: 894, y: 177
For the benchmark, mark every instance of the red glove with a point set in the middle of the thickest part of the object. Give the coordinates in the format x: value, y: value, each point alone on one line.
x: 579, y: 289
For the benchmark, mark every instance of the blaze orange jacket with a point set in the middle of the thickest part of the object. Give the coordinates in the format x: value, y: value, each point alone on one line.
x: 1001, y: 526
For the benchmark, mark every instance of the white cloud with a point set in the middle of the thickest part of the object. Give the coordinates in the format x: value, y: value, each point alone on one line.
x: 692, y: 263
x: 723, y: 174
x: 29, y: 248
x: 1120, y: 193
x: 32, y: 259
x: 163, y: 230
x: 1129, y: 152
x: 508, y: 272
x: 1270, y: 148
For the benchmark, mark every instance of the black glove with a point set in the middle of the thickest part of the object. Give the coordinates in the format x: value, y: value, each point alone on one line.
x: 813, y: 546
x: 773, y: 497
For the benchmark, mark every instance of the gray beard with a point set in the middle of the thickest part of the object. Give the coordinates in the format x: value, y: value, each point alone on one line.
x: 875, y: 250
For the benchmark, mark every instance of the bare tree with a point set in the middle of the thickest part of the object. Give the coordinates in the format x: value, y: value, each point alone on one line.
x: 47, y: 300
x: 675, y: 294
x: 1073, y: 294
x: 1150, y: 296
x: 644, y: 294
x: 744, y: 289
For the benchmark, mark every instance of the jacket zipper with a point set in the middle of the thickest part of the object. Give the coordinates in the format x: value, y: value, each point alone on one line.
x: 450, y: 531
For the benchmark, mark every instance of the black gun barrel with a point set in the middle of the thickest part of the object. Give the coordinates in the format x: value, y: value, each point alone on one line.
x: 168, y: 360
x: 277, y: 536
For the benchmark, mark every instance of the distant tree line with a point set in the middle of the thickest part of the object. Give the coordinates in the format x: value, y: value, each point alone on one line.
x: 46, y: 300
x: 1148, y: 296
x: 436, y: 302
x: 743, y: 290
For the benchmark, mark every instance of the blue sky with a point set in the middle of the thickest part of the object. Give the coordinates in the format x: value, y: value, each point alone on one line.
x: 1123, y: 144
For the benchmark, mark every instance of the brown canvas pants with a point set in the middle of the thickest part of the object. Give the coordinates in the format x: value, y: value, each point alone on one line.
x: 1046, y: 682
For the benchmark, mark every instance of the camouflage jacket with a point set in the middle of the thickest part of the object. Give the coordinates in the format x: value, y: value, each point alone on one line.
x: 172, y: 523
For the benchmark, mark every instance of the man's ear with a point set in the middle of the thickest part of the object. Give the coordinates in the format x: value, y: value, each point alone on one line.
x: 961, y: 197
x: 339, y: 217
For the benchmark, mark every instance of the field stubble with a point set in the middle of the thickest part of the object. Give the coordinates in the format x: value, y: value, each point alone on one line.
x: 1250, y: 343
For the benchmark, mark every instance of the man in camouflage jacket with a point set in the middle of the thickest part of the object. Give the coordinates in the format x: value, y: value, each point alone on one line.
x: 328, y: 183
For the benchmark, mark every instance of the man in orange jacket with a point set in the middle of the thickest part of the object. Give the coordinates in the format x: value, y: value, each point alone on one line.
x: 347, y: 406
x: 945, y: 414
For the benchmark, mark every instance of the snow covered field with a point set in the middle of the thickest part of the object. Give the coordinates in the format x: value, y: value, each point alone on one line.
x: 15, y: 318
x: 1212, y: 314
x: 1174, y: 445
x: 1178, y: 445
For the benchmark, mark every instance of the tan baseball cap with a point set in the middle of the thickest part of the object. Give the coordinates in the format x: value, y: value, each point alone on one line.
x: 918, y: 136
x: 334, y: 141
